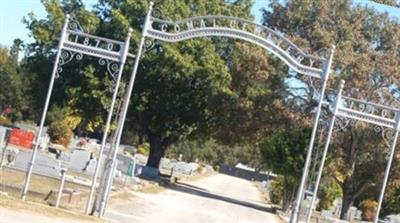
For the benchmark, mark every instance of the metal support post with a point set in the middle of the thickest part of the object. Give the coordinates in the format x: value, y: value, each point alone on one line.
x: 60, y: 190
x: 300, y: 193
x: 325, y: 152
x: 388, y: 166
x: 121, y: 120
x: 124, y: 54
x: 46, y: 106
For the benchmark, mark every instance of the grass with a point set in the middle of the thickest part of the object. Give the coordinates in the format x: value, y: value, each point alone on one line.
x: 152, y: 189
x: 28, y: 206
x: 11, y: 182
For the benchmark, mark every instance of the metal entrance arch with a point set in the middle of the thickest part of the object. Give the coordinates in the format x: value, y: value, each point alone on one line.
x: 348, y: 111
x: 175, y: 31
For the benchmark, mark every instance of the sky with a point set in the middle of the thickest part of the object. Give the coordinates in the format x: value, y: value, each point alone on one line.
x: 12, y: 12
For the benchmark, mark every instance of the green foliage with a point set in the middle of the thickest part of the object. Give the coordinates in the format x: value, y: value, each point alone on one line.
x: 329, y: 191
x: 213, y: 153
x: 144, y: 149
x: 283, y: 190
x: 284, y: 154
x: 60, y: 129
x: 276, y: 191
x: 284, y: 151
x: 13, y: 86
x: 366, y: 50
x: 391, y: 204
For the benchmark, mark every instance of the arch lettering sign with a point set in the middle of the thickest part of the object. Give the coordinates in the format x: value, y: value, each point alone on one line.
x: 272, y: 40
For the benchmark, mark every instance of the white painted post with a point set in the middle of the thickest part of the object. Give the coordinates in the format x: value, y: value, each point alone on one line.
x: 388, y: 166
x: 60, y: 190
x: 46, y: 106
x: 325, y: 152
x: 300, y: 193
x: 121, y: 121
x: 124, y: 54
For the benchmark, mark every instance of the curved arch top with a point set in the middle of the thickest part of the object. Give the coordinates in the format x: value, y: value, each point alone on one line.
x: 274, y: 41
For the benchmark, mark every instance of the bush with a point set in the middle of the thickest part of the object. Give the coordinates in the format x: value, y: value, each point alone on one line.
x: 276, y: 192
x: 329, y: 192
x: 61, y: 125
x: 368, y: 208
x: 60, y: 133
x: 5, y: 121
x: 144, y: 149
x: 391, y: 203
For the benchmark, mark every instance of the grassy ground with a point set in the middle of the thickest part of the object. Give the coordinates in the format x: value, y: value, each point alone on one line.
x: 16, y: 204
x: 11, y: 182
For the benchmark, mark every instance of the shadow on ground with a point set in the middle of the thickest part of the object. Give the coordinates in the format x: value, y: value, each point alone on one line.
x: 197, y: 191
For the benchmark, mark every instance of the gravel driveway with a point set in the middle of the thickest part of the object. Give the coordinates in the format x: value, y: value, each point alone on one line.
x: 215, y: 199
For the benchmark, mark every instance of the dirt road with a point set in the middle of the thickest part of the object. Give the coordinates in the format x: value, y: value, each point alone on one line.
x: 216, y: 199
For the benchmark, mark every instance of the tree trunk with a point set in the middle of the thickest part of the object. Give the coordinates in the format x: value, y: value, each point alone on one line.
x: 157, y: 151
x: 347, y: 199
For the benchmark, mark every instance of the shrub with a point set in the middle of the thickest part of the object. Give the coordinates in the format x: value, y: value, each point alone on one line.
x: 60, y: 133
x: 144, y: 149
x: 329, y: 192
x: 61, y: 125
x: 391, y: 203
x: 368, y: 208
x: 5, y: 121
x: 276, y: 192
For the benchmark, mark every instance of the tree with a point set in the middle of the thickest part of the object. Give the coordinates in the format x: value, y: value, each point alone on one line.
x: 83, y: 86
x: 178, y: 83
x: 284, y: 154
x: 366, y: 51
x: 13, y: 98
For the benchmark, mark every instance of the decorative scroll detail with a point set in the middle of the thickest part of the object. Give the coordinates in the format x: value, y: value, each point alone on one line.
x: 321, y: 53
x: 314, y: 84
x: 150, y: 44
x: 387, y: 136
x: 265, y: 37
x: 385, y: 93
x: 112, y: 68
x: 368, y: 112
x: 74, y: 25
x: 66, y: 57
x: 157, y: 13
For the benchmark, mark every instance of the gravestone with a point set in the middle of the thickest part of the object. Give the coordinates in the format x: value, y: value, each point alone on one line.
x: 326, y: 214
x: 337, y: 207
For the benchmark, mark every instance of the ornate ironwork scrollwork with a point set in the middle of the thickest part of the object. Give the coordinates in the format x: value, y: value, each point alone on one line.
x: 66, y: 57
x: 112, y: 69
x: 74, y: 25
x: 150, y: 44
x: 157, y: 13
x: 273, y: 40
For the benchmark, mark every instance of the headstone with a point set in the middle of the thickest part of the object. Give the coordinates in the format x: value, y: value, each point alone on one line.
x: 358, y: 215
x: 326, y: 213
x: 3, y: 131
x: 337, y: 207
x: 351, y: 214
x: 79, y: 159
x: 264, y: 183
x: 394, y: 218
